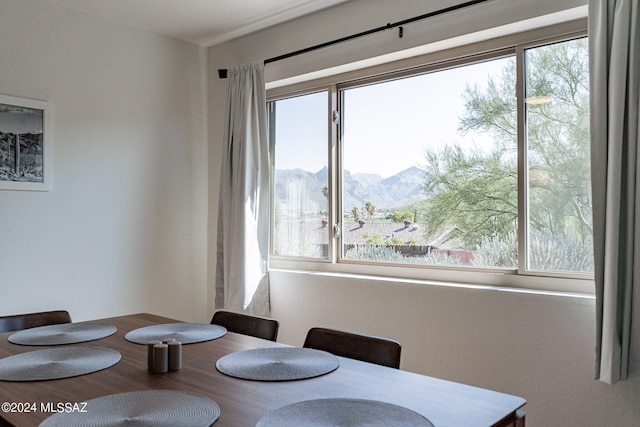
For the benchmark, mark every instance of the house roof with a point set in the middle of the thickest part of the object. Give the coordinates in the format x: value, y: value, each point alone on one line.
x: 316, y: 231
x: 368, y: 232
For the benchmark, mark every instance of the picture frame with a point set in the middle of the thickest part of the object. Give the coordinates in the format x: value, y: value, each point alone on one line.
x: 25, y: 144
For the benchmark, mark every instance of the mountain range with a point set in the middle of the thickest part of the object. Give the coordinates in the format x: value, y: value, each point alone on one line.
x: 397, y: 190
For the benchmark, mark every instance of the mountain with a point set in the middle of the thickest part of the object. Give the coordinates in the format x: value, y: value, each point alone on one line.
x: 400, y: 189
x: 405, y: 187
x: 367, y: 178
x: 305, y: 186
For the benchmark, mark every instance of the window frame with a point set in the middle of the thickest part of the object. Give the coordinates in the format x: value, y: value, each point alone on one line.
x: 517, y: 278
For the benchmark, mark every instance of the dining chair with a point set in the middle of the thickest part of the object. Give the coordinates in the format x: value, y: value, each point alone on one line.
x: 381, y: 351
x: 18, y: 322
x: 260, y: 327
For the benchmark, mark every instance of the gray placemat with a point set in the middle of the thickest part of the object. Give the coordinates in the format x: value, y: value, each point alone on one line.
x: 278, y: 364
x: 154, y: 408
x: 186, y: 333
x: 54, y: 363
x: 343, y: 412
x: 65, y: 333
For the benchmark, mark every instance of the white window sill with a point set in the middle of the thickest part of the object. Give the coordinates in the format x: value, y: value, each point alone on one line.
x: 474, y: 279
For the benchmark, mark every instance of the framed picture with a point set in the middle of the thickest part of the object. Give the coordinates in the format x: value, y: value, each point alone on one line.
x: 25, y: 144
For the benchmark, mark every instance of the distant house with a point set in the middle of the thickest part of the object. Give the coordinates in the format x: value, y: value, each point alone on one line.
x: 384, y: 233
x: 312, y: 237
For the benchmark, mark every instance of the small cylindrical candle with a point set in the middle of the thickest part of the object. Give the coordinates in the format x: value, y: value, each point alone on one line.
x: 175, y: 355
x: 150, y: 345
x: 160, y: 358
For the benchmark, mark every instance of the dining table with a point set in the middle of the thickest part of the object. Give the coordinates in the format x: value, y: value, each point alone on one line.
x: 241, y: 401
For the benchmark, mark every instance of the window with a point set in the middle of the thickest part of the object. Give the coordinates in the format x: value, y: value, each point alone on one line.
x: 558, y: 175
x: 478, y: 165
x: 300, y: 178
x: 430, y: 166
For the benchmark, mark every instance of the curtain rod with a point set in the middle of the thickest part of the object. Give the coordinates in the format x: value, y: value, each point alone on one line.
x: 222, y: 73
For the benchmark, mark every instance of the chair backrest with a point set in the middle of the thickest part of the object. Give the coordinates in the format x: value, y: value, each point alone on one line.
x: 18, y: 322
x: 260, y: 327
x: 381, y: 351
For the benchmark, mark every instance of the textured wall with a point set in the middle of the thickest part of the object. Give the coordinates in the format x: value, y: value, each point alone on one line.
x: 124, y: 228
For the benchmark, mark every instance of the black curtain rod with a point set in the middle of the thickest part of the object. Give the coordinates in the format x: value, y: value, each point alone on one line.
x: 222, y: 73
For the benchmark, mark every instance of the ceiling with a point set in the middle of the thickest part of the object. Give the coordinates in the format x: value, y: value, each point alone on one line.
x: 203, y: 22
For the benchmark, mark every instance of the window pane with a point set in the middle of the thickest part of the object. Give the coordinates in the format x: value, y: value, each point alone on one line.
x: 430, y: 168
x: 559, y: 192
x: 301, y: 176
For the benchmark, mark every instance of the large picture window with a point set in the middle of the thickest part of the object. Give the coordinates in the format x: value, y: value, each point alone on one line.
x: 430, y: 167
x: 478, y: 165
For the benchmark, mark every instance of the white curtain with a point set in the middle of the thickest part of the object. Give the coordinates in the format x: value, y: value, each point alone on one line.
x: 242, y: 282
x: 615, y: 80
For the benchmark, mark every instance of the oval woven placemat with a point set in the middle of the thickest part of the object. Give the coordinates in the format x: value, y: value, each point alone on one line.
x: 343, y: 412
x: 186, y: 333
x: 65, y: 333
x: 278, y: 364
x: 153, y: 408
x: 55, y: 363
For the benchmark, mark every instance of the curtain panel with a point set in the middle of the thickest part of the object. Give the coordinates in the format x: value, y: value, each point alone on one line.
x: 242, y: 282
x: 615, y: 80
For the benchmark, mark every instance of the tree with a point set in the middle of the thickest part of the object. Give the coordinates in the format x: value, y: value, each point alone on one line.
x: 356, y: 213
x: 412, y: 212
x: 476, y: 191
x: 558, y: 138
x: 370, y: 208
x: 471, y: 192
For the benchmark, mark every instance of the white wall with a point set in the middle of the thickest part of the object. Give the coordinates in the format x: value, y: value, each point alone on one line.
x: 534, y: 345
x: 124, y: 228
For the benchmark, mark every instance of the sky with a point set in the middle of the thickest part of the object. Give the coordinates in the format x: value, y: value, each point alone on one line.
x: 387, y: 126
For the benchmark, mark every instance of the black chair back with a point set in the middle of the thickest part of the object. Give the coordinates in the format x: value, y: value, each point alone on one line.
x: 381, y: 351
x: 18, y: 322
x: 260, y: 327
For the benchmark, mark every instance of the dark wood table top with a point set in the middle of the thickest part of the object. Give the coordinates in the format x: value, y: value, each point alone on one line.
x: 244, y: 402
